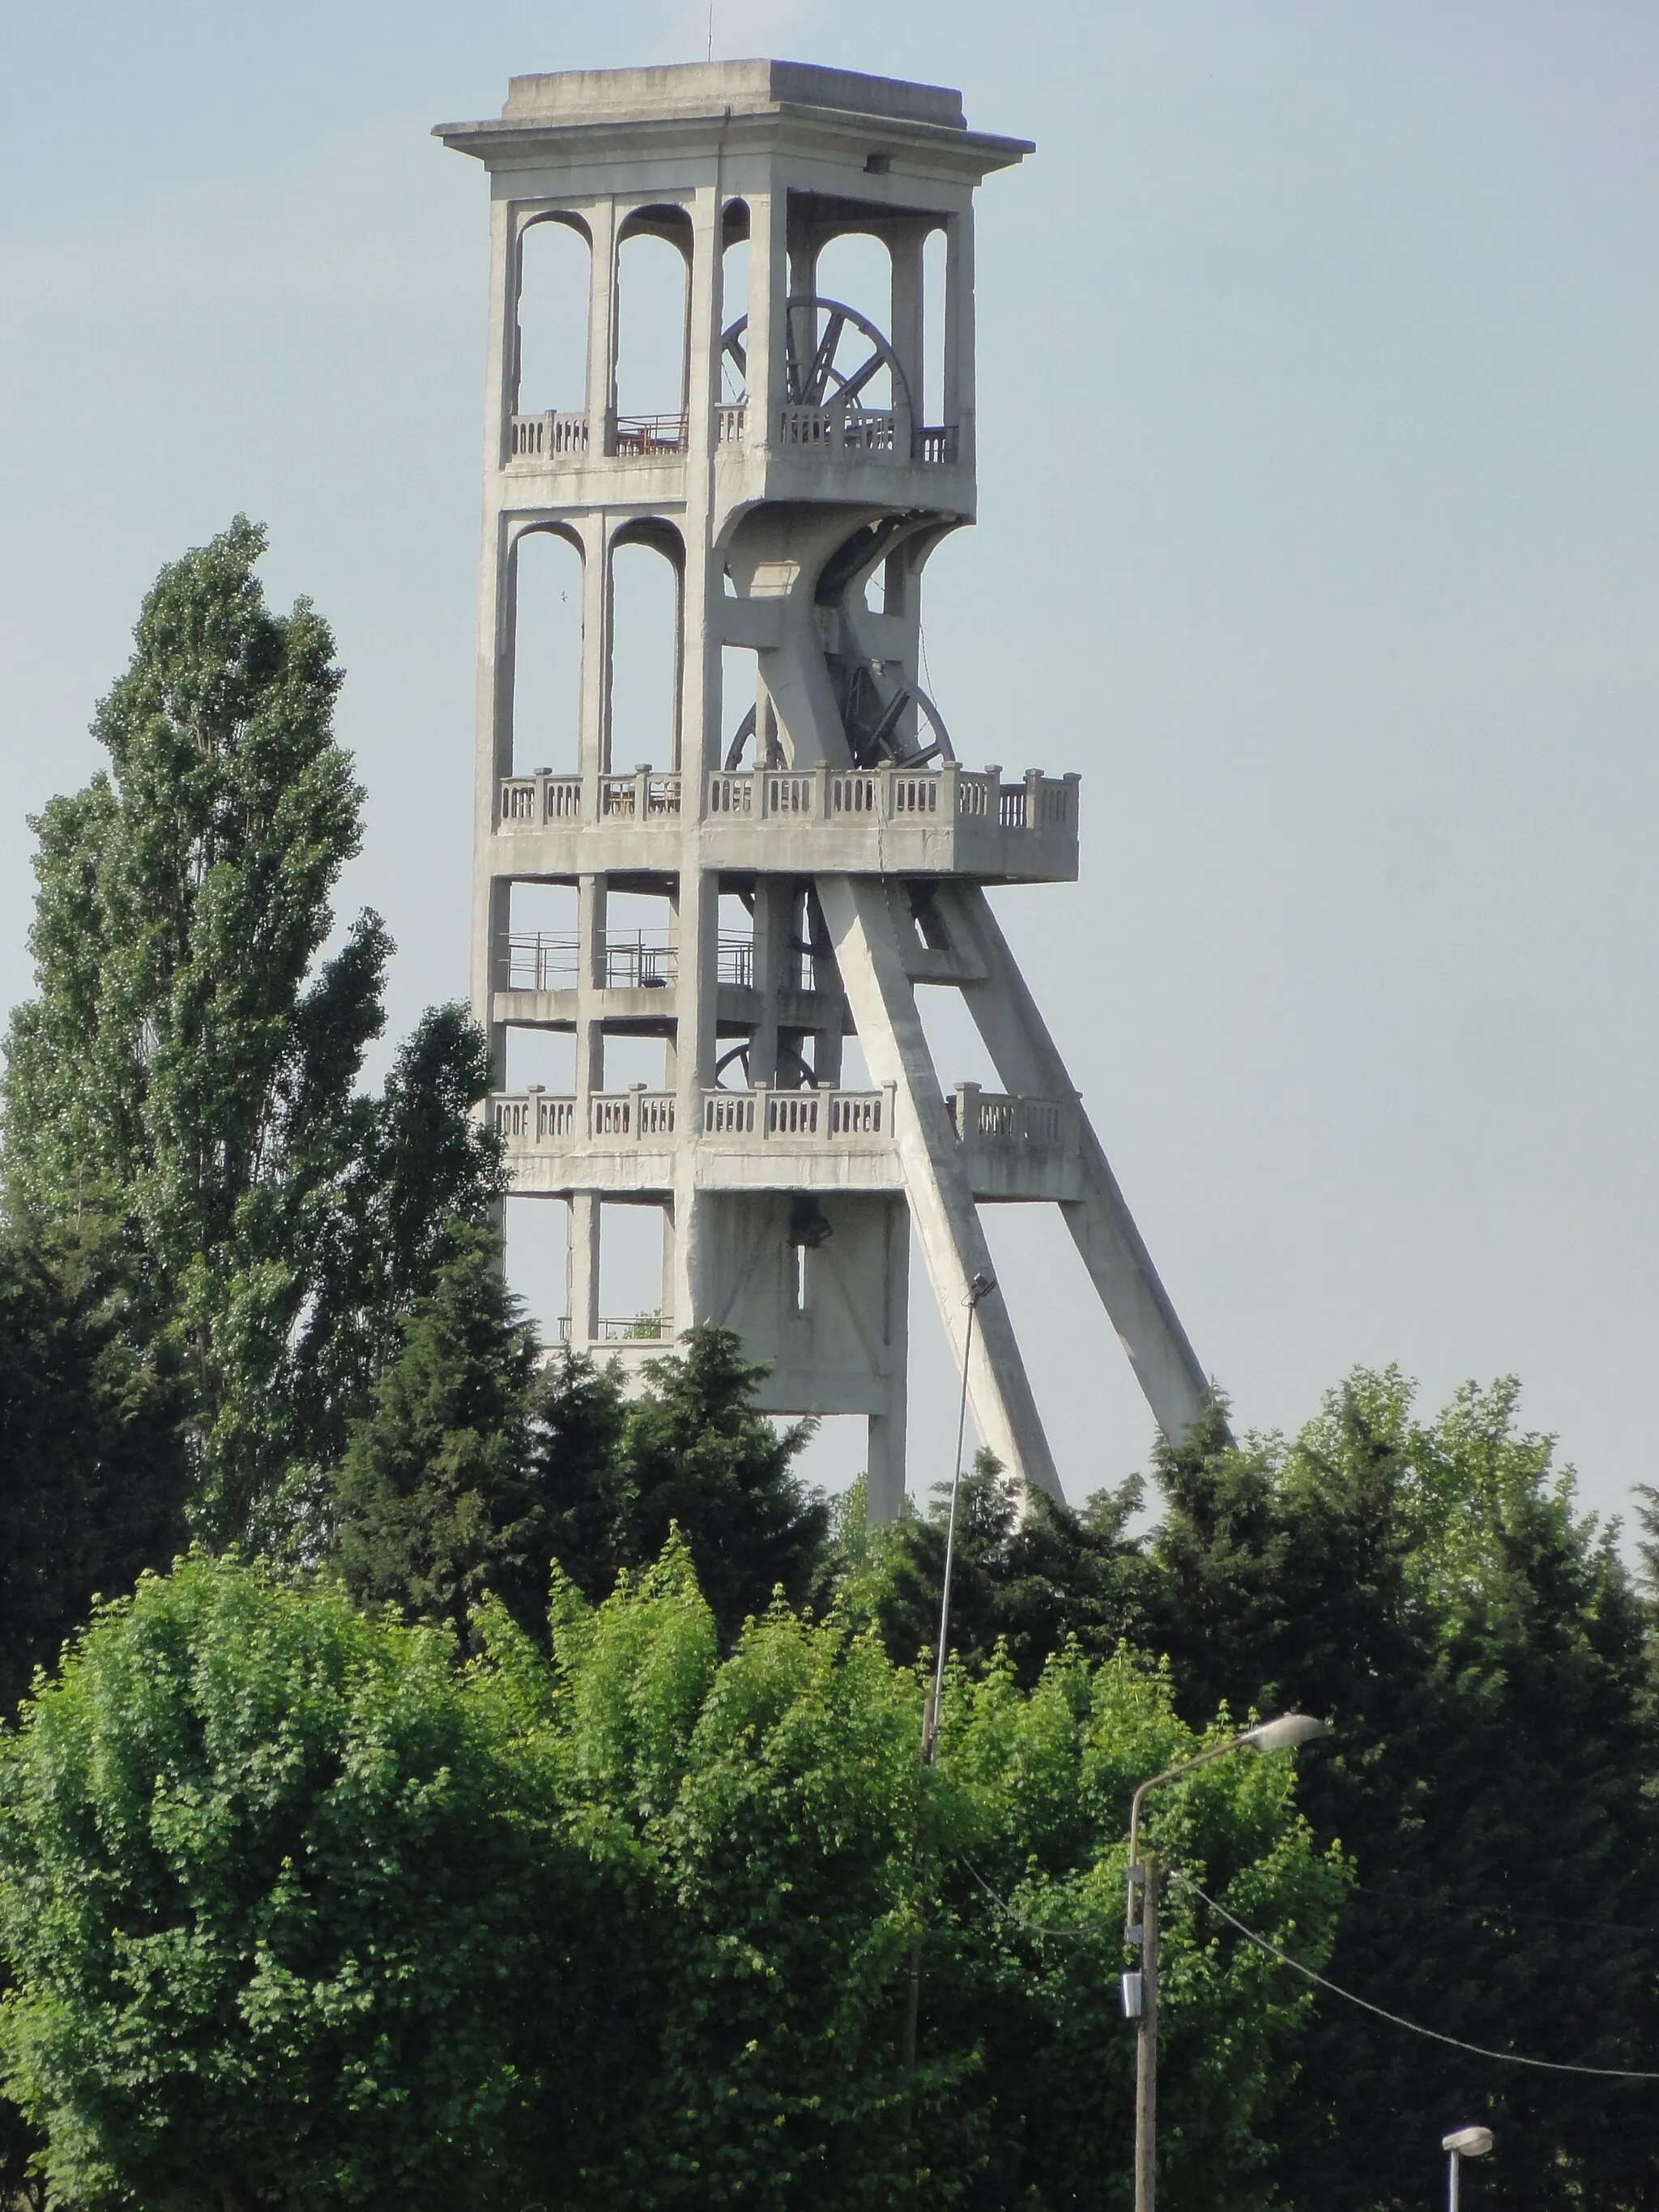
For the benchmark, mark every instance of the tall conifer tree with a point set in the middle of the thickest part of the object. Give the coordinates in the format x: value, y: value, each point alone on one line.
x: 187, y: 1075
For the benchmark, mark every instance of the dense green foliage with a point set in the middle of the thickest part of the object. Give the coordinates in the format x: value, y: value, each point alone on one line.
x: 477, y: 1469
x: 302, y: 1913
x: 1029, y: 1574
x: 186, y: 1076
x: 93, y: 1473
x: 1432, y: 1587
x: 272, y: 1905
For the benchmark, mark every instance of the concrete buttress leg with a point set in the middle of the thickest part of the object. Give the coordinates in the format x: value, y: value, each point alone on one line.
x: 954, y: 1251
x: 1028, y: 1062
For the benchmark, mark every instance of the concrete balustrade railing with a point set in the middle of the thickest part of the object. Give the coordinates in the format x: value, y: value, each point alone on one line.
x: 981, y: 1119
x: 556, y: 437
x: 526, y: 1119
x: 951, y: 792
x: 993, y: 1118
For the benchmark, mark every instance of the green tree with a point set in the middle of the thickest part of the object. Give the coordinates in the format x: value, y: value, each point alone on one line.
x: 439, y: 1495
x: 763, y: 1815
x: 187, y: 1075
x: 1030, y: 1574
x: 276, y: 1907
x: 1433, y: 1587
x: 478, y: 1468
x: 95, y: 1472
x: 694, y: 1453
x: 301, y: 1911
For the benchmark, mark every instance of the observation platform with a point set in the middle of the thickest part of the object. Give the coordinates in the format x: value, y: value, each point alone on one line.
x: 949, y: 821
x: 566, y: 459
x: 623, y: 1143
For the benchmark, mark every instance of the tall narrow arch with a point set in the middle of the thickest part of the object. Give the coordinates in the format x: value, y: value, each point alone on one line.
x: 646, y: 631
x: 546, y: 645
x: 653, y: 316
x: 553, y: 298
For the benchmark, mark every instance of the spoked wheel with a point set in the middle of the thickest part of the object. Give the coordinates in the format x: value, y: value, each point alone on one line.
x: 873, y: 721
x: 832, y: 354
x: 788, y: 1058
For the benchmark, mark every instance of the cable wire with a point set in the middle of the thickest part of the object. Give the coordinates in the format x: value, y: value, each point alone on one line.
x: 1394, y: 2019
x: 1035, y: 1926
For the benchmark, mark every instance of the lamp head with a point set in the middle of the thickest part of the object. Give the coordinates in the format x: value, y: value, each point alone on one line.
x: 1280, y: 1735
x: 1468, y: 2143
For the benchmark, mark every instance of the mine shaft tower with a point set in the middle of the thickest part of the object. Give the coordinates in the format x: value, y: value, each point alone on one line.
x: 796, y: 483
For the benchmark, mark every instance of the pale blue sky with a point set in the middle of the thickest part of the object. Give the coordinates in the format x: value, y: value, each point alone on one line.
x: 1318, y: 530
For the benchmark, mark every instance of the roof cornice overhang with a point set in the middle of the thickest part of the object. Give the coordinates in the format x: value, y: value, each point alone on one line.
x: 938, y: 150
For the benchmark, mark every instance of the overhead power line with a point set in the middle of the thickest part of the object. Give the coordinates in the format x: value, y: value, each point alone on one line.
x: 1396, y: 2019
x: 1098, y: 1931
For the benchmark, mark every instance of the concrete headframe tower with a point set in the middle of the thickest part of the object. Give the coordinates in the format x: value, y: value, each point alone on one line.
x: 812, y: 845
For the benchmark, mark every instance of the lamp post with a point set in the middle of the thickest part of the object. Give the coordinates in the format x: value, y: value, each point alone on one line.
x: 1463, y: 2142
x: 1140, y: 1989
x: 981, y: 1287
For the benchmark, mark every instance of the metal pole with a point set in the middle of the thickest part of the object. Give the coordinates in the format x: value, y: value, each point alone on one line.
x: 981, y: 1287
x: 1453, y: 2162
x: 1147, y: 2048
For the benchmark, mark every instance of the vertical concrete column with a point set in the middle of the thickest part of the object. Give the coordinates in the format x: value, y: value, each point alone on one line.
x: 695, y: 989
x: 582, y: 1268
x: 959, y: 331
x: 764, y: 340
x: 701, y: 625
x: 905, y: 241
x: 501, y: 364
x: 884, y: 1484
x: 596, y: 660
x: 493, y: 688
x: 602, y: 328
x: 680, y: 1318
x: 772, y: 895
x: 591, y: 900
x: 671, y: 1051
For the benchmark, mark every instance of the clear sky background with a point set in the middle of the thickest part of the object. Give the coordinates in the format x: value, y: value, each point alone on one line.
x: 1319, y: 530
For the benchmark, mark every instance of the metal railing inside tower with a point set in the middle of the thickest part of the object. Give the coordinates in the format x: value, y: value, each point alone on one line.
x: 640, y: 960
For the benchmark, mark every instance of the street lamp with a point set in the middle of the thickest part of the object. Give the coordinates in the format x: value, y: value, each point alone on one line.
x: 1463, y: 2142
x: 1140, y: 1989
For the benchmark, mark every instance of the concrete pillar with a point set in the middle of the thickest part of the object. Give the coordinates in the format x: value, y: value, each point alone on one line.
x: 582, y: 1268
x: 602, y: 327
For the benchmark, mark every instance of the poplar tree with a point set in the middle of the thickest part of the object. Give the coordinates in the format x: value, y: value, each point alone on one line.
x: 185, y: 1084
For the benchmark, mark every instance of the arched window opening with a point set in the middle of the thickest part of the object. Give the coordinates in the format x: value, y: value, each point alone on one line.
x: 547, y: 654
x: 643, y: 723
x: 555, y: 290
x: 934, y: 263
x: 653, y: 265
x: 856, y: 271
